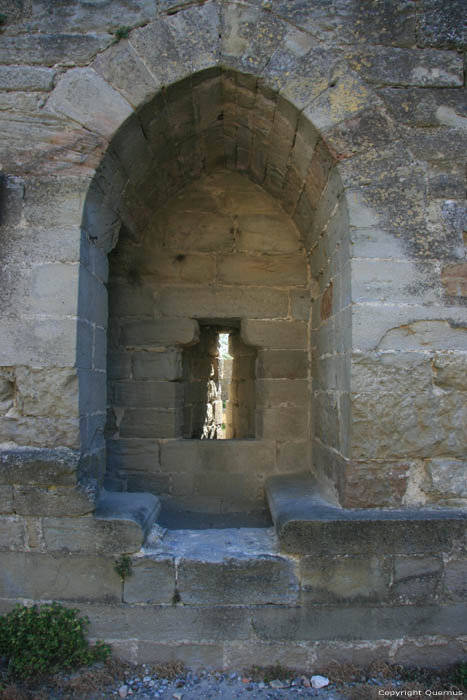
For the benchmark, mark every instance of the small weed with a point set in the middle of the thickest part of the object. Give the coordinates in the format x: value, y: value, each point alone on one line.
x: 41, y: 641
x: 122, y: 33
x: 461, y: 674
x: 176, y: 598
x: 123, y: 567
x: 3, y: 19
x: 170, y: 670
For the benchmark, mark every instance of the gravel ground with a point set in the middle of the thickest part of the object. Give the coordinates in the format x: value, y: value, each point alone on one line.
x: 225, y: 686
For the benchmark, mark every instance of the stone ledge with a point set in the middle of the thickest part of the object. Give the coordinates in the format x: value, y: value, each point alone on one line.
x: 139, y: 508
x: 306, y: 524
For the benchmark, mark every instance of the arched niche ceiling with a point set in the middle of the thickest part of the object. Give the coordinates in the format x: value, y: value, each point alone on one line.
x: 213, y: 119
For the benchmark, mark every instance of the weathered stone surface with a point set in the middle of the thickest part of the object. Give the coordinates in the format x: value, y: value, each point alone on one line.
x: 168, y: 331
x: 218, y: 301
x: 271, y: 270
x: 358, y: 622
x: 44, y: 577
x: 158, y: 50
x: 455, y: 579
x: 193, y: 655
x: 344, y: 579
x: 375, y: 484
x: 409, y: 67
x: 48, y: 49
x: 12, y: 533
x: 249, y: 36
x: 86, y: 98
x: 454, y: 279
x: 439, y: 28
x: 150, y: 423
x: 26, y: 78
x: 45, y: 392
x: 274, y: 334
x: 416, y: 578
x: 234, y: 456
x: 36, y: 500
x: 446, y: 479
x: 152, y: 581
x: 343, y: 100
x: 262, y: 580
x: 6, y: 499
x: 91, y: 535
x: 282, y: 364
x: 157, y: 365
x: 147, y: 394
x: 40, y: 431
x: 37, y: 467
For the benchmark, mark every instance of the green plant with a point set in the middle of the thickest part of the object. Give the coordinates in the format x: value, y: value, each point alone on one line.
x: 123, y: 567
x: 3, y: 18
x: 121, y: 33
x: 461, y: 675
x: 40, y: 641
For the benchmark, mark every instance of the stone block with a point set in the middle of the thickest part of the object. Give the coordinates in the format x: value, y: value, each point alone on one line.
x: 449, y: 371
x: 283, y: 423
x: 161, y: 331
x: 6, y: 499
x: 275, y: 334
x: 346, y: 579
x: 49, y: 49
x: 39, y: 467
x: 59, y: 577
x: 249, y: 37
x: 119, y: 365
x: 210, y: 231
x: 433, y: 653
x: 270, y: 270
x: 87, y: 534
x: 166, y: 623
x: 165, y: 62
x: 147, y: 394
x: 92, y: 391
x: 389, y: 281
x: 133, y: 454
x: 86, y: 98
x: 455, y: 578
x: 416, y: 579
x: 150, y: 423
x: 197, y: 33
x: 267, y: 233
x: 378, y: 484
x: 220, y: 302
x: 92, y: 299
x: 26, y: 78
x: 235, y: 456
x: 122, y: 68
x: 282, y: 364
x: 406, y: 67
x: 248, y: 653
x: 348, y: 96
x: 12, y: 533
x: 259, y: 580
x: 67, y: 195
x: 139, y: 481
x: 293, y: 456
x: 454, y: 279
x: 446, y: 479
x: 52, y: 289
x: 194, y: 268
x: 353, y: 623
x: 55, y: 501
x: 274, y: 392
x: 194, y: 656
x: 439, y: 28
x: 126, y: 300
x: 52, y: 392
x: 152, y: 581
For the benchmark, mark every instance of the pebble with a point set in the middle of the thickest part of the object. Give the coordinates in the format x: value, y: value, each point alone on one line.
x: 276, y: 684
x: 123, y: 691
x: 177, y: 696
x: 319, y: 681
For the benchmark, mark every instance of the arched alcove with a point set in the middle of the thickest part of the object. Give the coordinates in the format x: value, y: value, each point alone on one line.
x: 219, y: 200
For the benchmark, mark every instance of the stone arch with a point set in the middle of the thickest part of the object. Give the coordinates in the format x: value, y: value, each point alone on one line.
x: 224, y: 119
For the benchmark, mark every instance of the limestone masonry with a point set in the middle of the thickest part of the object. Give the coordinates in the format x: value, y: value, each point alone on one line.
x: 288, y: 173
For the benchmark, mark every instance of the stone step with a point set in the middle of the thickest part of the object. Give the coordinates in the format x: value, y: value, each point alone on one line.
x: 231, y: 566
x: 306, y: 523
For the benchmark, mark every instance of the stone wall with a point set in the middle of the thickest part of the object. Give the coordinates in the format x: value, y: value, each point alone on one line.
x: 220, y: 252
x: 351, y: 117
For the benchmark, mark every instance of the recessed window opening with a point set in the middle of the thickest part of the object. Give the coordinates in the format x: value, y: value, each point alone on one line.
x: 219, y: 377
